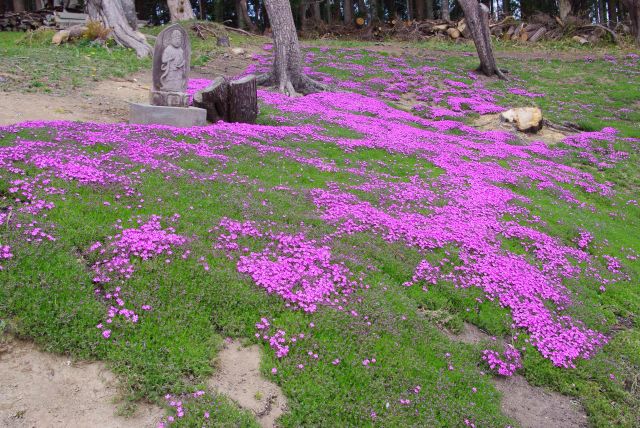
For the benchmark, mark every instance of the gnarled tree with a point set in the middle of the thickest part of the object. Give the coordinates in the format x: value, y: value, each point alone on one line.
x: 633, y: 6
x: 477, y: 18
x: 286, y: 74
x: 119, y: 16
x: 180, y: 10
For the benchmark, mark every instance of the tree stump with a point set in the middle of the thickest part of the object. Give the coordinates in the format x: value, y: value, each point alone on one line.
x: 214, y: 99
x: 223, y: 41
x: 235, y: 101
x: 243, y: 100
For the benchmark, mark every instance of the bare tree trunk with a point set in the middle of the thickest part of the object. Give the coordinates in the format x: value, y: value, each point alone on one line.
x: 287, y: 73
x: 18, y: 5
x: 241, y: 7
x: 218, y: 10
x: 564, y: 7
x: 477, y: 19
x: 112, y: 14
x: 328, y: 8
x: 444, y: 13
x: 348, y: 12
x: 428, y: 4
x: 633, y: 6
x: 180, y: 10
x: 506, y: 7
x: 611, y: 6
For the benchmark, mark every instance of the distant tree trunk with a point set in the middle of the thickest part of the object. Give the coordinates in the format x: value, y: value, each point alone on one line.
x: 602, y: 12
x: 409, y: 6
x: 348, y: 12
x: 362, y: 8
x: 218, y: 10
x: 444, y: 13
x: 611, y: 6
x: 564, y: 7
x: 18, y: 5
x: 477, y: 18
x: 328, y: 12
x: 633, y: 7
x: 244, y: 20
x: 180, y: 10
x: 317, y: 15
x: 112, y: 14
x: 287, y: 73
x: 302, y: 14
x: 506, y: 7
x: 428, y: 4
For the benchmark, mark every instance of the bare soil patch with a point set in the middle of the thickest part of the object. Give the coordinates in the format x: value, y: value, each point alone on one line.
x: 238, y: 377
x: 531, y: 406
x: 535, y: 407
x: 44, y: 390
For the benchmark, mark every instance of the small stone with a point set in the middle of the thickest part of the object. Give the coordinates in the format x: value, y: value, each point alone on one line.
x: 580, y: 40
x: 526, y: 119
x: 238, y: 51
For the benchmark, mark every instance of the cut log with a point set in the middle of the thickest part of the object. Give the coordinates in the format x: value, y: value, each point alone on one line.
x: 516, y: 33
x: 359, y: 21
x: 454, y: 33
x: 538, y: 34
x: 243, y: 100
x: 214, y: 99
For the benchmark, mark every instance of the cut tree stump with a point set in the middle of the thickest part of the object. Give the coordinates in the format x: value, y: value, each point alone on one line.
x: 214, y: 99
x: 243, y: 100
x: 235, y: 101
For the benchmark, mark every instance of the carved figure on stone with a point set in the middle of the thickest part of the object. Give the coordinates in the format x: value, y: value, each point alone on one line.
x: 173, y: 72
x: 172, y: 55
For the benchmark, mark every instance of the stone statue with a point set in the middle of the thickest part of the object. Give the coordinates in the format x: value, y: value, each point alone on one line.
x: 172, y: 55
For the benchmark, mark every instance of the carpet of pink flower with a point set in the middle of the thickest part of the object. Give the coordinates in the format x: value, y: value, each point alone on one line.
x: 469, y: 209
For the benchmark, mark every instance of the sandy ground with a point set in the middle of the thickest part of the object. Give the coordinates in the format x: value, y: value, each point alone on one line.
x: 531, y: 406
x: 46, y: 391
x: 238, y: 377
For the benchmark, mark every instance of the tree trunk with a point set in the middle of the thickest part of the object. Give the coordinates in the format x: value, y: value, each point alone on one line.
x: 112, y: 15
x: 611, y: 6
x: 428, y: 4
x: 218, y: 10
x: 362, y: 8
x: 444, y: 13
x: 287, y: 72
x: 328, y: 12
x: 348, y: 12
x: 564, y: 7
x: 633, y: 6
x: 18, y: 5
x: 506, y: 7
x: 477, y: 18
x: 244, y: 16
x: 180, y: 10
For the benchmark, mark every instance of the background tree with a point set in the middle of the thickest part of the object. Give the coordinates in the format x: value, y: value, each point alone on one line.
x: 287, y: 73
x: 633, y: 6
x: 112, y: 15
x: 477, y: 18
x: 180, y: 10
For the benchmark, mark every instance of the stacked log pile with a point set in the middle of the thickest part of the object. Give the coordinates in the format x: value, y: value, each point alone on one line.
x: 540, y: 27
x: 32, y: 20
x: 25, y: 21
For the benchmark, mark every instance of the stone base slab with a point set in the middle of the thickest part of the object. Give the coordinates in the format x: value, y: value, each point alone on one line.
x: 180, y: 117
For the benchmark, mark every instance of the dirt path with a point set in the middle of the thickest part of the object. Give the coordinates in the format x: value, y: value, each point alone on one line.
x: 238, y: 377
x: 44, y: 390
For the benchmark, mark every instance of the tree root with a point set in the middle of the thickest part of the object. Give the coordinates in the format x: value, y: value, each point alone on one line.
x: 304, y: 85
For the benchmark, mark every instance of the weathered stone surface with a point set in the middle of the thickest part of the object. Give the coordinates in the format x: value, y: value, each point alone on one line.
x: 526, y: 119
x: 171, y: 59
x: 162, y: 115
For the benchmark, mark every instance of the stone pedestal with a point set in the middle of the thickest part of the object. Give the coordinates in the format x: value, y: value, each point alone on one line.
x: 169, y: 99
x: 179, y: 117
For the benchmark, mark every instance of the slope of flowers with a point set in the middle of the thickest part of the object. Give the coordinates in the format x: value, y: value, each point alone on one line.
x: 464, y: 207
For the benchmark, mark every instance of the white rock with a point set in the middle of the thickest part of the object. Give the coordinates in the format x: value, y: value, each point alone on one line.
x: 526, y: 119
x: 238, y: 51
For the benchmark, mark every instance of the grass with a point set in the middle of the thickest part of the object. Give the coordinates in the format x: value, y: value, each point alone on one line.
x: 47, y: 294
